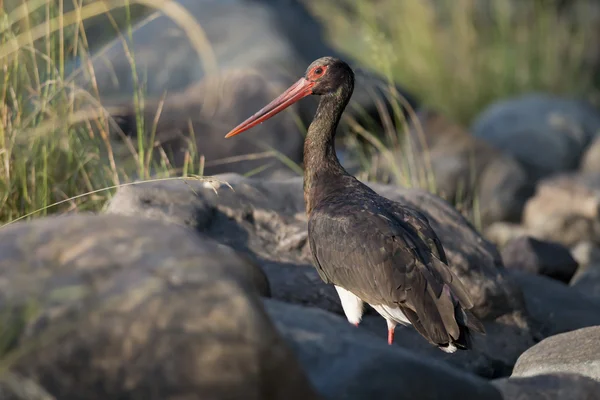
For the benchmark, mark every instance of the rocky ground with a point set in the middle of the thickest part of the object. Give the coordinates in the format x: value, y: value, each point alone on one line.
x: 200, y: 290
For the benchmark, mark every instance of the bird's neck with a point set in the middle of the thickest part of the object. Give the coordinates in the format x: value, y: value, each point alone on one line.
x: 322, y: 169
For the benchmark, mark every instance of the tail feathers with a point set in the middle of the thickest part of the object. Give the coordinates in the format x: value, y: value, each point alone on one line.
x: 443, y: 321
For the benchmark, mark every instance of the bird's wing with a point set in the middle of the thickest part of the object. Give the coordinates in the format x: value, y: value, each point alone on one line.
x: 419, y: 222
x: 390, y: 258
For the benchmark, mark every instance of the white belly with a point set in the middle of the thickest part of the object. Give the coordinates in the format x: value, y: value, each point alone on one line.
x: 391, y: 314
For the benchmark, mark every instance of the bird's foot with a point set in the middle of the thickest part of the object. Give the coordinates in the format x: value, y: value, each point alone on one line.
x: 355, y: 324
x: 390, y: 336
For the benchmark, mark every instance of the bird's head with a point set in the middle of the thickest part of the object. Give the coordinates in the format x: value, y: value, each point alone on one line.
x: 325, y: 76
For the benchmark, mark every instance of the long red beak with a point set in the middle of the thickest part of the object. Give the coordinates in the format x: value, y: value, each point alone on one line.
x: 297, y: 91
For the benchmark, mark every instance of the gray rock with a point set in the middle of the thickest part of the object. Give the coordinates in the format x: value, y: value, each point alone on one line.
x: 15, y: 387
x: 539, y: 257
x: 545, y: 134
x: 590, y: 162
x: 557, y: 386
x: 565, y: 209
x: 555, y: 307
x: 348, y: 363
x: 492, y: 355
x: 253, y: 43
x: 241, y: 94
x: 463, y: 168
x: 266, y: 219
x: 118, y: 307
x: 588, y: 281
x: 261, y: 217
x: 572, y: 352
x: 501, y: 233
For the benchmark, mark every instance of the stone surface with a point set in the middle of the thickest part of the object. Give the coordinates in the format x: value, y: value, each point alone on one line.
x: 348, y: 363
x: 565, y: 209
x: 590, y: 162
x: 463, y: 167
x: 267, y: 221
x: 119, y: 307
x: 546, y: 134
x: 588, y: 281
x: 15, y: 387
x: 556, y: 386
x: 572, y: 352
x: 500, y: 233
x: 539, y: 257
x: 555, y: 307
x: 253, y: 42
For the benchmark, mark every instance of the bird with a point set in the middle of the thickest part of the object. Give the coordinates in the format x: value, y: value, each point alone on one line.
x: 371, y: 249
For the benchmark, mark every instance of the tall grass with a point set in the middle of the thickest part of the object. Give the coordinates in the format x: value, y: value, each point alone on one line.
x: 54, y: 137
x: 458, y: 56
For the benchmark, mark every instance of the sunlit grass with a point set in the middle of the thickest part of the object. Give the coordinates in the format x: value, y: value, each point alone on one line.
x: 55, y: 145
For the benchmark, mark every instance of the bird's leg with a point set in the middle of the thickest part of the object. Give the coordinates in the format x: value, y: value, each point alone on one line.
x: 391, y: 328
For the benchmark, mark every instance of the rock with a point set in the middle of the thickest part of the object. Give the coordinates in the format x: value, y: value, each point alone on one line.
x: 500, y: 233
x: 587, y: 278
x: 462, y: 167
x: 586, y: 253
x: 565, y: 209
x: 549, y: 387
x: 572, y: 352
x: 348, y: 363
x: 546, y: 134
x: 556, y: 307
x: 15, y: 387
x: 120, y: 307
x: 539, y: 257
x: 257, y: 216
x: 241, y: 94
x: 253, y: 42
x: 267, y: 221
x: 590, y: 162
x: 493, y: 355
x: 588, y: 281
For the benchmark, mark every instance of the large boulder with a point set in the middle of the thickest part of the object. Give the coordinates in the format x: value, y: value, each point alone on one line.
x: 555, y: 307
x: 556, y: 386
x: 267, y: 221
x: 539, y: 257
x: 546, y: 134
x: 119, y: 307
x: 565, y: 209
x: 348, y: 363
x: 464, y: 169
x: 590, y: 163
x: 588, y: 281
x: 572, y: 352
x: 259, y: 48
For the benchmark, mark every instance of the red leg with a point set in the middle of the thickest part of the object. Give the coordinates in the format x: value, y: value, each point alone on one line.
x: 390, y: 336
x: 356, y: 324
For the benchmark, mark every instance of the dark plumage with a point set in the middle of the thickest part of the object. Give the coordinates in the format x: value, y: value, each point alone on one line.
x: 372, y: 249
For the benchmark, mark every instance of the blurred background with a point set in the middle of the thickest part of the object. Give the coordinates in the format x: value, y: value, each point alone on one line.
x: 479, y: 101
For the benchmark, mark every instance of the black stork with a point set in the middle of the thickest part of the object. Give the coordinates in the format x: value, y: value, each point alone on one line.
x: 370, y: 248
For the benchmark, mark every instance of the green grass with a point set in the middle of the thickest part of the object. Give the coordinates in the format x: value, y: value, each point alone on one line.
x: 54, y: 138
